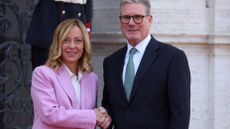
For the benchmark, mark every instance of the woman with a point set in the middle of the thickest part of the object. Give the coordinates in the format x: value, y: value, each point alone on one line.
x: 64, y: 90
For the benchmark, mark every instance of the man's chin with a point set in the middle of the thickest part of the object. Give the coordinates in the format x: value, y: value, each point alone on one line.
x: 132, y: 38
x: 133, y: 41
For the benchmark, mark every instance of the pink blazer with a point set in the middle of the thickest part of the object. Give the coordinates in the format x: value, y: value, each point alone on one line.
x: 55, y: 103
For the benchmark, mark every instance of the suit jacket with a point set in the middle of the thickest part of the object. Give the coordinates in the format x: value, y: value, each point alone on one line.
x: 48, y: 14
x: 55, y: 103
x: 160, y: 97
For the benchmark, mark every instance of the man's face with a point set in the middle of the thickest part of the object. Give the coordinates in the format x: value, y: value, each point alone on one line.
x: 133, y: 31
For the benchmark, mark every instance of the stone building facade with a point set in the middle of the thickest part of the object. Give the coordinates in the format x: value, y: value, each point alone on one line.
x: 199, y: 27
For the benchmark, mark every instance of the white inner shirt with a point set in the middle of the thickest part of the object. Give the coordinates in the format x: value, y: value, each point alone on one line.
x: 73, y: 1
x: 76, y: 83
x: 137, y: 56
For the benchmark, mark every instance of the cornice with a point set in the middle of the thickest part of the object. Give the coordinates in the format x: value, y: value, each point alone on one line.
x: 116, y: 37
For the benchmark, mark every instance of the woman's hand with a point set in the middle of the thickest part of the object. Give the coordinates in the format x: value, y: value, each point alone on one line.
x: 103, y: 120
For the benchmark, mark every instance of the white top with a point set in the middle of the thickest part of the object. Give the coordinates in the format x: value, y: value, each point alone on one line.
x: 76, y: 83
x: 73, y: 1
x: 137, y: 56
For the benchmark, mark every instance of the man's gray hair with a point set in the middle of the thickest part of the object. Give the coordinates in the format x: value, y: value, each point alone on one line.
x: 146, y: 3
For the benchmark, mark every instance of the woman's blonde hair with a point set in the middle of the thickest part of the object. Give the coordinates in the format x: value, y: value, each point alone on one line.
x: 54, y: 60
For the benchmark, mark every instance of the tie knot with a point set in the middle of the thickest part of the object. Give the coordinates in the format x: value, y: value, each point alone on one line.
x: 132, y: 51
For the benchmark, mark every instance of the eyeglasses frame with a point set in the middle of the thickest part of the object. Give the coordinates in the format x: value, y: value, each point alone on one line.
x: 132, y: 17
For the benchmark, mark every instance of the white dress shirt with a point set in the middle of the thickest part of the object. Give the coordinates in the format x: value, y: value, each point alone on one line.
x: 73, y: 1
x: 138, y: 56
x: 76, y: 83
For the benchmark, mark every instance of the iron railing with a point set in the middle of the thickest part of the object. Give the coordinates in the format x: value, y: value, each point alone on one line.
x: 16, y: 111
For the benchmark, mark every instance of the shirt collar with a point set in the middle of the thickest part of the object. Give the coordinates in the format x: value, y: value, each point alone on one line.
x: 71, y: 74
x: 141, y: 46
x: 73, y: 1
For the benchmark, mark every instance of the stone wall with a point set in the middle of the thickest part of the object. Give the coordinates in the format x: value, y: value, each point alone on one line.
x: 199, y: 27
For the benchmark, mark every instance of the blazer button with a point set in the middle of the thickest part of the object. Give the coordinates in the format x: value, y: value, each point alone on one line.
x: 63, y: 12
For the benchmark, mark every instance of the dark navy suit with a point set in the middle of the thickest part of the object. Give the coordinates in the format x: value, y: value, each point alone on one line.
x: 160, y: 97
x: 46, y: 16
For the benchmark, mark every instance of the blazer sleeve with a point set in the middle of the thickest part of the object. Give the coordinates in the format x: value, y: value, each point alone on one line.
x: 105, y: 100
x: 179, y: 91
x: 46, y: 105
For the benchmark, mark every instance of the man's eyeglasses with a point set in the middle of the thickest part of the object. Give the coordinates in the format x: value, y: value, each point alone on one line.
x: 136, y: 18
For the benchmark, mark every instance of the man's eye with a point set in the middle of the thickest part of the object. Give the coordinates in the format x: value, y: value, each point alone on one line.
x: 126, y: 17
x: 138, y: 16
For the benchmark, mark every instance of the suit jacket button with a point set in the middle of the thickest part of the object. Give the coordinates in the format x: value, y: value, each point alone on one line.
x: 63, y: 12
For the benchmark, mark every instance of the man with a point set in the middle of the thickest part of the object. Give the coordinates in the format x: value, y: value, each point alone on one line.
x: 46, y: 16
x: 159, y: 95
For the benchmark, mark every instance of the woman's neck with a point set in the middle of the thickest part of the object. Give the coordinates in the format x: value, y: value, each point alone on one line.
x: 72, y: 68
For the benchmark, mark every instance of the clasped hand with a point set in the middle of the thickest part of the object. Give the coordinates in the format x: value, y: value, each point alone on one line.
x: 103, y: 120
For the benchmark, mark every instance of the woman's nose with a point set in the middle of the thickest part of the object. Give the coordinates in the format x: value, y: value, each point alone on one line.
x: 72, y: 44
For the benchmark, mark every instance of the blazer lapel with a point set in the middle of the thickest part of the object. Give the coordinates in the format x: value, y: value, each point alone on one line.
x: 149, y: 57
x: 66, y: 84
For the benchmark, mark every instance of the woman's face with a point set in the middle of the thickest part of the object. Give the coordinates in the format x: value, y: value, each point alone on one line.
x: 72, y: 47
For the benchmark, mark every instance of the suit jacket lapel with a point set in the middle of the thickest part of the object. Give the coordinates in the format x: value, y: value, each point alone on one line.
x: 120, y: 61
x: 66, y: 84
x: 148, y: 58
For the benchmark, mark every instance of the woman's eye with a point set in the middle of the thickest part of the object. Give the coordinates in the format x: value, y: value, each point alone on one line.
x: 66, y: 41
x: 78, y: 41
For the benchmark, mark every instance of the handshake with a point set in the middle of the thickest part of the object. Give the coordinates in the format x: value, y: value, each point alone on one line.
x: 103, y: 120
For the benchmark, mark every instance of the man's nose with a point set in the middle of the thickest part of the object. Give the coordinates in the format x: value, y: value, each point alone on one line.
x: 131, y: 21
